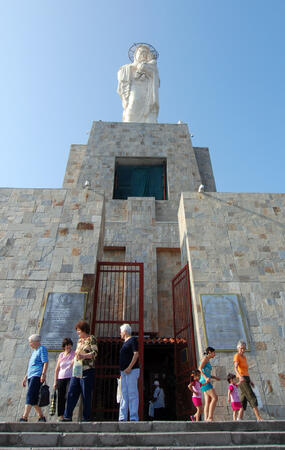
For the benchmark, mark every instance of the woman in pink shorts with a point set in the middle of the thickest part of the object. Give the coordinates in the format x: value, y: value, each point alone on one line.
x: 195, y: 387
x: 233, y: 395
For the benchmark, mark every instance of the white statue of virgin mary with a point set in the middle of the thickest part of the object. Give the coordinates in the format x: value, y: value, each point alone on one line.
x: 138, y: 85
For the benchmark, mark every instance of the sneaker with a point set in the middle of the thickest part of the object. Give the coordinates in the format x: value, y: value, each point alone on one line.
x: 23, y: 419
x: 65, y: 419
x: 42, y: 419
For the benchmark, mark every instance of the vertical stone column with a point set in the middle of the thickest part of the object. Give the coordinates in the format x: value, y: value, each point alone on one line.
x: 140, y: 248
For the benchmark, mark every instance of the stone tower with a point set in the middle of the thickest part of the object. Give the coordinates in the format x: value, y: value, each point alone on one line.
x: 142, y: 225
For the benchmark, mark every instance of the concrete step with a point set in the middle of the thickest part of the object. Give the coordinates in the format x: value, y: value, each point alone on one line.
x: 135, y: 440
x: 250, y: 447
x: 247, y: 447
x: 144, y: 435
x: 153, y: 426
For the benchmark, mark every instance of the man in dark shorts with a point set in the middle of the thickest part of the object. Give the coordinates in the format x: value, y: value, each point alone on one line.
x: 36, y: 375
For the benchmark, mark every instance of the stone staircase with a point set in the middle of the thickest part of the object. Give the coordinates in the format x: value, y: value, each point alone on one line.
x: 144, y: 435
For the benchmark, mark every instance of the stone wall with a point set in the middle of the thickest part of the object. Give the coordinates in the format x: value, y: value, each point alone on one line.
x: 235, y: 244
x: 205, y: 168
x: 140, y: 234
x: 140, y: 225
x: 50, y: 240
x: 73, y: 168
x: 168, y: 265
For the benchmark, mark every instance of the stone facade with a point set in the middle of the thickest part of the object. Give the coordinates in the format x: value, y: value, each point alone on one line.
x: 154, y: 222
x: 50, y: 240
x: 235, y: 244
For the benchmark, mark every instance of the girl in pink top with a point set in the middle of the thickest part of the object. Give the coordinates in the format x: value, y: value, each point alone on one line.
x: 233, y: 395
x: 62, y: 374
x: 195, y: 387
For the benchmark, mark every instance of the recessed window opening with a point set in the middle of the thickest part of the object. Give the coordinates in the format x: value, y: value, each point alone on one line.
x: 140, y: 177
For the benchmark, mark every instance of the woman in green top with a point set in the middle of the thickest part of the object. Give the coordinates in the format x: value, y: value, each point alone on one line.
x: 86, y: 351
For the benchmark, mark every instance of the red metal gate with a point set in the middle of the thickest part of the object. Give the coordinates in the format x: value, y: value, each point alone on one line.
x: 184, y: 343
x: 118, y: 299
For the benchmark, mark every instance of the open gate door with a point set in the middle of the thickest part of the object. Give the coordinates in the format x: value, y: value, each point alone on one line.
x: 118, y: 299
x: 184, y: 343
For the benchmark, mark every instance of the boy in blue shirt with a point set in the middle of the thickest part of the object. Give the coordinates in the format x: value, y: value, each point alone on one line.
x: 36, y: 375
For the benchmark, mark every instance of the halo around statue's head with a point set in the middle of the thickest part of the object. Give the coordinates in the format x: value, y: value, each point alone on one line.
x: 135, y: 46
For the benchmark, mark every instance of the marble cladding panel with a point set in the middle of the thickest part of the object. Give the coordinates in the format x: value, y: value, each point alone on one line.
x: 117, y: 210
x: 235, y: 243
x: 114, y: 254
x: 166, y: 210
x: 40, y: 237
x: 205, y: 168
x: 76, y: 156
x: 168, y: 265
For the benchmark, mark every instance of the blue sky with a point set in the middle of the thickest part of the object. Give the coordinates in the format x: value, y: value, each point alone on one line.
x: 222, y: 70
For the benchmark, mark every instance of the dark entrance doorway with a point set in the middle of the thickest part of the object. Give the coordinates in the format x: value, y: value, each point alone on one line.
x: 140, y: 177
x: 184, y: 343
x: 118, y: 299
x: 159, y: 364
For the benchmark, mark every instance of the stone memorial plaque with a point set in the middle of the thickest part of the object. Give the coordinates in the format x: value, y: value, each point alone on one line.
x: 62, y: 311
x: 223, y: 321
